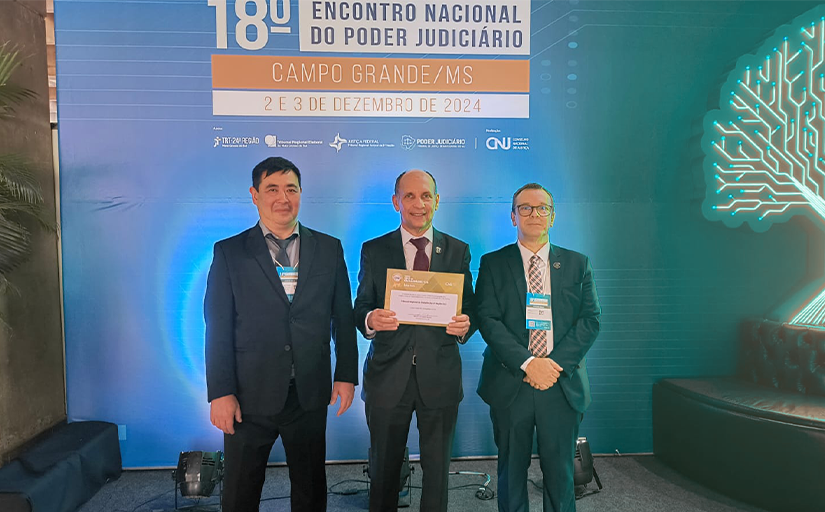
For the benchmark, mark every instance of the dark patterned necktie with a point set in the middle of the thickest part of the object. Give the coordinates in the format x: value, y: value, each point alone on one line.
x: 283, y: 256
x: 421, y: 261
x: 538, y: 337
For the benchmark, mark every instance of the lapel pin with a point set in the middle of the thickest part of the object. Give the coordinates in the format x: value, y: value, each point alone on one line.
x: 557, y: 265
x: 438, y: 250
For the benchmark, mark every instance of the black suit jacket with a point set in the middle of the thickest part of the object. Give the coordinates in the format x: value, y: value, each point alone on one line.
x: 501, y: 294
x: 388, y: 363
x: 254, y: 335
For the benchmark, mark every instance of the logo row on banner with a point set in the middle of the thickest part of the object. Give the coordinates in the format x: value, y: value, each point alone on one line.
x: 495, y: 142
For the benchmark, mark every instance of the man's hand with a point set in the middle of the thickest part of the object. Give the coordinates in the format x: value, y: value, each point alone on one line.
x: 382, y: 320
x: 225, y: 411
x: 459, y: 326
x: 346, y: 390
x: 542, y: 373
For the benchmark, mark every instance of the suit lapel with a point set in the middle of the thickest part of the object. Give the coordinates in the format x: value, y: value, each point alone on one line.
x: 517, y: 269
x: 256, y: 245
x: 438, y: 257
x: 395, y: 250
x: 556, y: 273
x: 306, y: 255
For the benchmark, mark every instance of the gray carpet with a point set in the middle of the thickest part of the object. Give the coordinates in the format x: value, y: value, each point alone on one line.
x: 631, y: 484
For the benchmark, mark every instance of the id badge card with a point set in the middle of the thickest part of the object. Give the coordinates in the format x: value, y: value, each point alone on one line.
x: 289, y: 279
x: 539, y: 314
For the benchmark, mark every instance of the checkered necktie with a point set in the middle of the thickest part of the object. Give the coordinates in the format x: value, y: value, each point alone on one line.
x: 538, y: 337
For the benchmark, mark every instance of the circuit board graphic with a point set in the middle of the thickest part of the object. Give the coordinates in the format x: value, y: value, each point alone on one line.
x: 764, y: 155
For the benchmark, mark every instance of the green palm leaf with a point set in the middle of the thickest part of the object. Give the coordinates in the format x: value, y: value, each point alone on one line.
x: 10, y: 94
x: 17, y: 180
x: 14, y: 245
x: 21, y: 199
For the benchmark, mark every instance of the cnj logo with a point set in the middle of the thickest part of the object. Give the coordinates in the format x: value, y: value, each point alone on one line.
x: 499, y: 143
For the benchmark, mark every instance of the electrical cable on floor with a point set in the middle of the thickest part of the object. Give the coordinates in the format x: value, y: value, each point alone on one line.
x: 484, y: 492
x: 348, y: 492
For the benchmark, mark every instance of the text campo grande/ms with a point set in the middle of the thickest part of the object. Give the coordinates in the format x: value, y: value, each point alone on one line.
x: 408, y: 74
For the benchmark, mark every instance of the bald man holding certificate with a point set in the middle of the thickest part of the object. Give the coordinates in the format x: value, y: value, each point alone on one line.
x: 408, y: 294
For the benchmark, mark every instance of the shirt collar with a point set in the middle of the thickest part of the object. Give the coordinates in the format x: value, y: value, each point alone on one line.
x: 406, y: 236
x: 266, y: 230
x: 543, y: 253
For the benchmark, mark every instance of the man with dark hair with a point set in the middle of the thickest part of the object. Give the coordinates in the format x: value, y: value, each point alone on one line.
x: 411, y: 367
x: 275, y: 295
x: 538, y: 312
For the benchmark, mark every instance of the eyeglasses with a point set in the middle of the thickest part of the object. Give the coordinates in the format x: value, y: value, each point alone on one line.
x: 525, y: 210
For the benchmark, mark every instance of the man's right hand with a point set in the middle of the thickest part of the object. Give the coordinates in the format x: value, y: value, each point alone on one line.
x: 382, y: 320
x: 225, y: 412
x: 542, y: 373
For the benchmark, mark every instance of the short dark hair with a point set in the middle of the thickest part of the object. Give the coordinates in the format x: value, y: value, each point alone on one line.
x: 270, y: 166
x: 531, y: 186
x: 398, y: 180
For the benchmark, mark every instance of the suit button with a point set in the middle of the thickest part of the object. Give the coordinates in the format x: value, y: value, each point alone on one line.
x: 292, y: 320
x: 288, y: 348
x: 409, y: 349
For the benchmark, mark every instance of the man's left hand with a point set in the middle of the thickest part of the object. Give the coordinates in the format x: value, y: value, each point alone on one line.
x: 459, y: 326
x: 346, y: 390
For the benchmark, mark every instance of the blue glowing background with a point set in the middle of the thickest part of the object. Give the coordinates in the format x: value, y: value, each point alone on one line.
x: 616, y: 91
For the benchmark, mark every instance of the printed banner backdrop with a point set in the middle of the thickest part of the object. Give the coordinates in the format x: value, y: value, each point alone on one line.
x: 165, y: 107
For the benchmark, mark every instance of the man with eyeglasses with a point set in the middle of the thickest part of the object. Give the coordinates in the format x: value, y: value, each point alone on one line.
x: 538, y: 312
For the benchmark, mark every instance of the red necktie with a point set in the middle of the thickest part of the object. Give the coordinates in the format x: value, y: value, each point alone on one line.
x: 421, y: 261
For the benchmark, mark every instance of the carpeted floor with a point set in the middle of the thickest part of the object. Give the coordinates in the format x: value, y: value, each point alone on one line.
x: 631, y: 484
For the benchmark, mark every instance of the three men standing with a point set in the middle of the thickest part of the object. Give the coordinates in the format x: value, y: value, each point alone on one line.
x: 538, y: 312
x: 278, y: 291
x: 411, y: 367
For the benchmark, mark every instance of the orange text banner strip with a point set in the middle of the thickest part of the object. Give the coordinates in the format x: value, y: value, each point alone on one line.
x: 369, y: 74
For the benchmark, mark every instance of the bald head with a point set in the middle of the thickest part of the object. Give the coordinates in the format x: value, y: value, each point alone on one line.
x: 413, y: 172
x: 416, y: 200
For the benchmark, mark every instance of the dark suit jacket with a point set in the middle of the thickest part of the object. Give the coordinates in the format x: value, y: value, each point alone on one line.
x: 388, y: 363
x: 254, y: 335
x: 501, y: 292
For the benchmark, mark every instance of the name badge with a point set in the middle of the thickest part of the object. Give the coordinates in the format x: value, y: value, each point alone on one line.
x: 289, y: 279
x: 539, y: 314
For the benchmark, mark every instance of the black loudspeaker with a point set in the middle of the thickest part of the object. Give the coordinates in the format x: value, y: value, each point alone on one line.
x: 583, y: 470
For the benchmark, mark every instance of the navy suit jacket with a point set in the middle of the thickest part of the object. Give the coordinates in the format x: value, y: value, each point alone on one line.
x: 501, y: 295
x: 389, y: 361
x: 254, y: 336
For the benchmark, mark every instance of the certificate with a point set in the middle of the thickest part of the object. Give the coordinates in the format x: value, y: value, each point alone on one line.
x: 424, y: 298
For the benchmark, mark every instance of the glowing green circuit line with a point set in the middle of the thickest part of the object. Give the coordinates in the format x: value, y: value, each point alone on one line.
x: 813, y: 313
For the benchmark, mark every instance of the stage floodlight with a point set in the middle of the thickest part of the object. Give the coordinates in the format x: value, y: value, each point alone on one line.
x: 198, y: 473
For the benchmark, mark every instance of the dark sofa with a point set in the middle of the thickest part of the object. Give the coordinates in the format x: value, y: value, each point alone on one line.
x: 758, y: 437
